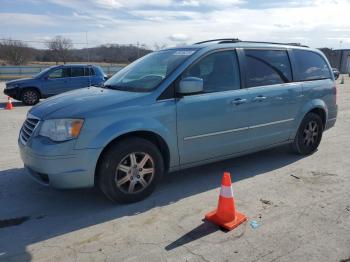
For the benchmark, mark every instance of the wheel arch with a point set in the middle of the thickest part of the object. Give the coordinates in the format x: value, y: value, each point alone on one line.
x: 30, y: 88
x: 321, y: 113
x: 152, y: 137
x: 316, y: 106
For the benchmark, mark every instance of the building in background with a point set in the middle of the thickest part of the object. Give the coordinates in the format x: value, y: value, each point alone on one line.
x: 343, y: 60
x: 338, y: 58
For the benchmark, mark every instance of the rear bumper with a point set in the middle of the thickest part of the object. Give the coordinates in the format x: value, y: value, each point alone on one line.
x: 76, y: 170
x: 332, y: 118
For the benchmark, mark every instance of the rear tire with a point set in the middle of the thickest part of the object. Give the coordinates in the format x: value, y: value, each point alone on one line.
x: 30, y: 97
x: 130, y: 170
x: 309, y: 135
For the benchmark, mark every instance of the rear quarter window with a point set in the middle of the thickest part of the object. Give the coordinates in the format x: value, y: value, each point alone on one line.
x: 310, y: 66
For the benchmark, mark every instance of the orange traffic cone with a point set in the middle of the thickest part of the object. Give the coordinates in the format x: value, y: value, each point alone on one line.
x: 226, y: 215
x: 9, y: 105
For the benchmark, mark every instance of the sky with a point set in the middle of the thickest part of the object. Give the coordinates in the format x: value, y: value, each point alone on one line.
x: 317, y: 23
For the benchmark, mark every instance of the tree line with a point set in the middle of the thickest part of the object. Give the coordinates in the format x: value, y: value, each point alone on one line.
x: 61, y: 50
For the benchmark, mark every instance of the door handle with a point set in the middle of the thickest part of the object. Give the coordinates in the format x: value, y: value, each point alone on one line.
x: 238, y: 101
x: 259, y: 98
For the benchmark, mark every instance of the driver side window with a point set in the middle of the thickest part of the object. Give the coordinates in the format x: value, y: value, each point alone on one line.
x: 219, y: 71
x: 59, y: 73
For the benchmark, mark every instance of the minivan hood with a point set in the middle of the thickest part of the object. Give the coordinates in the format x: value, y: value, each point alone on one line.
x: 81, y: 102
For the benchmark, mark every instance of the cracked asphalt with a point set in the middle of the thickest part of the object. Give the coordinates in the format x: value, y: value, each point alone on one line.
x: 301, y: 204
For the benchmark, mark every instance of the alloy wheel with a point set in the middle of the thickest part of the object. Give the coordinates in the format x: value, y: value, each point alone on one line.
x: 310, y: 133
x: 134, y: 172
x: 30, y: 97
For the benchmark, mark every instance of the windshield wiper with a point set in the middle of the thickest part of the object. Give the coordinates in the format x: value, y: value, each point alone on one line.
x: 115, y: 87
x: 107, y: 86
x: 122, y: 88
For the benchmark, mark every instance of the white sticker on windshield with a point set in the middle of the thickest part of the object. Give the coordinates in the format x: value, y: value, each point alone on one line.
x: 184, y: 52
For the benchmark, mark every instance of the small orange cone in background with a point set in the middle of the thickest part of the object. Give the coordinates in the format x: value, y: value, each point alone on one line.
x: 9, y: 105
x: 226, y: 215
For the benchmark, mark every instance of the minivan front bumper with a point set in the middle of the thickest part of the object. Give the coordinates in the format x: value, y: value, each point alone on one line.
x: 75, y: 170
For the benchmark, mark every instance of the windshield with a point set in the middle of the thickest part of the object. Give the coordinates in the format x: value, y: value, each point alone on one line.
x: 146, y: 73
x: 40, y: 74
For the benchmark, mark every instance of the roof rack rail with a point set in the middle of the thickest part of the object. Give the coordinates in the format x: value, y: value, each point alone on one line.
x: 236, y: 40
x: 229, y: 40
x: 272, y: 43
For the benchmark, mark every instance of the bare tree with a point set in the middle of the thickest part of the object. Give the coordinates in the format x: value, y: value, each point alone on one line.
x: 60, y: 48
x: 15, y: 52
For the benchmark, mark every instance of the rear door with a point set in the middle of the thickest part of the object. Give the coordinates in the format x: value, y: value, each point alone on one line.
x: 275, y: 98
x: 213, y: 124
x: 78, y: 77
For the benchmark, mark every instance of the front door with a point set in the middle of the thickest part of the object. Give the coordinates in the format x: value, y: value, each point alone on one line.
x: 275, y: 100
x: 214, y: 123
x: 57, y: 81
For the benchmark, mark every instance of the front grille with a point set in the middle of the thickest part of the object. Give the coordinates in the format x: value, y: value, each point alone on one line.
x: 28, y: 128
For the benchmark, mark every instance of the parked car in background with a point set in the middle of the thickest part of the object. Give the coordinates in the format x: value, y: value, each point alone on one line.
x: 335, y: 73
x: 54, y: 80
x: 178, y: 108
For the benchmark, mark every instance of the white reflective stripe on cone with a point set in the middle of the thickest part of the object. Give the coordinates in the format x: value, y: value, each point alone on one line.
x: 226, y: 191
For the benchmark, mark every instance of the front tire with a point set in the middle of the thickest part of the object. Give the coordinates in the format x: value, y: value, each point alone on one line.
x: 309, y: 135
x: 30, y: 97
x: 130, y: 170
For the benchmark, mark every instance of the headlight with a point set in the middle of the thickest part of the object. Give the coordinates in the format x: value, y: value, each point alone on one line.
x: 61, y: 129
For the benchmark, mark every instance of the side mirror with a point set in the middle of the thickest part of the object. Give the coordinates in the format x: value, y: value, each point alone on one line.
x: 190, y: 85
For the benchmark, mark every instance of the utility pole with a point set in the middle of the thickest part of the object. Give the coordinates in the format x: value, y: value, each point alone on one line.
x: 87, y: 46
x: 88, y: 55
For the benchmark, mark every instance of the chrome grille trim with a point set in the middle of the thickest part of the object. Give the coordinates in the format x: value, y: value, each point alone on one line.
x: 28, y: 125
x: 32, y: 121
x: 27, y: 132
x: 28, y: 128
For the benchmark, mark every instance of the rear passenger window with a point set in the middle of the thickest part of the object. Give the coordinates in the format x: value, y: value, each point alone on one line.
x: 311, y: 66
x: 219, y: 71
x: 267, y: 67
x: 77, y: 71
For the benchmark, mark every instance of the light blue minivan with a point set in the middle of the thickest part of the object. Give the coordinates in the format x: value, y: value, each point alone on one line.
x: 178, y: 108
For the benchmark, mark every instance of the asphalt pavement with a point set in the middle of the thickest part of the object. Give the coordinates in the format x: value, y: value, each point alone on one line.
x: 301, y: 204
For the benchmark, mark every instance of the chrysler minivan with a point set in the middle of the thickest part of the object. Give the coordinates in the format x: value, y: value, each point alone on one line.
x: 178, y: 108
